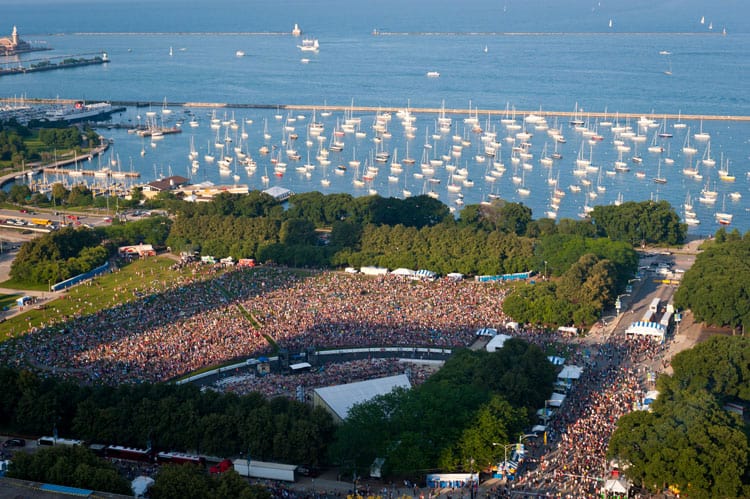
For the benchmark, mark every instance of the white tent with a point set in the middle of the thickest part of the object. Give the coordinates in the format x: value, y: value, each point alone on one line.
x: 570, y: 372
x: 616, y: 486
x: 556, y: 399
x: 140, y: 485
x: 404, y: 272
x: 652, y: 330
x: 339, y: 399
x: 497, y: 342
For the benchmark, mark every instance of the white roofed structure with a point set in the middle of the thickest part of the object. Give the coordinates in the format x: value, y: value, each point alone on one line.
x: 279, y: 193
x: 339, y: 399
x: 652, y: 330
x: 570, y: 372
x: 497, y: 342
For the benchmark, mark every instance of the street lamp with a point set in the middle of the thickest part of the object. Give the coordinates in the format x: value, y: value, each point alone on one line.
x: 618, y: 303
x: 505, y: 449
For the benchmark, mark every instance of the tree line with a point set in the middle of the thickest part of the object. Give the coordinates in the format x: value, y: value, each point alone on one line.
x: 166, y: 416
x: 690, y: 441
x: 67, y: 252
x: 588, y: 263
x: 715, y: 287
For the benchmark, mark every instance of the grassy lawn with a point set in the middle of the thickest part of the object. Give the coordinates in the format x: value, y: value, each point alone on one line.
x: 104, y: 292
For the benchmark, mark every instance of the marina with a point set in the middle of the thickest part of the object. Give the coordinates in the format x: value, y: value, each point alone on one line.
x: 560, y: 164
x: 563, y: 119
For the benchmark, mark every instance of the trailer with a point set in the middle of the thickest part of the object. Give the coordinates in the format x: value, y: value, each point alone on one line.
x: 265, y: 470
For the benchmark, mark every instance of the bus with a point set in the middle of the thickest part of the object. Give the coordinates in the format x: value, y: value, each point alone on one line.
x: 52, y: 441
x: 654, y: 307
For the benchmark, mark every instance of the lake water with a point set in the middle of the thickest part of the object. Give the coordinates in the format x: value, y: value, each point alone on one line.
x: 527, y: 55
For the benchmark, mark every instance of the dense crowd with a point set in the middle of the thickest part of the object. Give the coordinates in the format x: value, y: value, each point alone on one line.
x: 164, y: 330
x: 287, y: 385
x: 173, y: 329
x: 576, y: 464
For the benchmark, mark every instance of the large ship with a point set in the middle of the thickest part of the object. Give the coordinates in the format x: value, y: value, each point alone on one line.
x: 80, y: 111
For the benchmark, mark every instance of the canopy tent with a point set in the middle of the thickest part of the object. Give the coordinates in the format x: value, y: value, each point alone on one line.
x: 652, y: 330
x: 140, y: 485
x: 616, y: 486
x: 539, y: 428
x: 556, y: 399
x: 497, y: 342
x: 426, y: 274
x: 404, y: 272
x: 570, y: 372
x: 556, y: 361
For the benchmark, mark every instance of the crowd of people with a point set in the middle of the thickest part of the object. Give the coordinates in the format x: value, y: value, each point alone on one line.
x: 575, y: 465
x: 170, y: 329
x: 289, y: 385
x: 165, y: 330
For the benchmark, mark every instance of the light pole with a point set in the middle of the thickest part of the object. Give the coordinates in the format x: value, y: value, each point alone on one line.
x: 505, y: 449
x: 618, y: 302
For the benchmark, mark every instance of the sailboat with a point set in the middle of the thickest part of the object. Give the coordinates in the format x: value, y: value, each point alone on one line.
x: 658, y: 179
x: 707, y: 159
x: 723, y: 217
x: 523, y: 190
x: 724, y: 174
x: 687, y: 148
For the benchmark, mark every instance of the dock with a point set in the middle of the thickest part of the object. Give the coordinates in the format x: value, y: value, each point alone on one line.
x: 65, y: 62
x: 414, y: 110
x: 90, y: 173
x: 149, y: 132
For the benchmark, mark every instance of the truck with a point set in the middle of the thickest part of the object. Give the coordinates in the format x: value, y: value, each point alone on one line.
x: 42, y: 222
x: 269, y: 471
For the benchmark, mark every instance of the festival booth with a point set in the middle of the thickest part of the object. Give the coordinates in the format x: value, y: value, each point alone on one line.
x: 652, y: 330
x: 427, y: 275
x: 648, y: 399
x: 570, y: 373
x: 402, y: 272
x: 616, y: 488
x: 487, y: 331
x: 556, y: 399
x: 448, y: 480
x: 556, y: 361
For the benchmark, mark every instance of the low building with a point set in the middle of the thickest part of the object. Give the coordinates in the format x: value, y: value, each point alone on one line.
x: 279, y: 193
x: 206, y: 191
x: 172, y: 183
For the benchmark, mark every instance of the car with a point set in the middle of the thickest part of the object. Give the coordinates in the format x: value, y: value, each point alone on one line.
x: 23, y: 210
x: 14, y: 442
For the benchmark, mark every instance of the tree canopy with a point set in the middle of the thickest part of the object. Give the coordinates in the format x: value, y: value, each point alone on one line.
x: 717, y: 287
x: 74, y: 466
x: 476, y: 398
x: 171, y: 417
x: 690, y: 440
